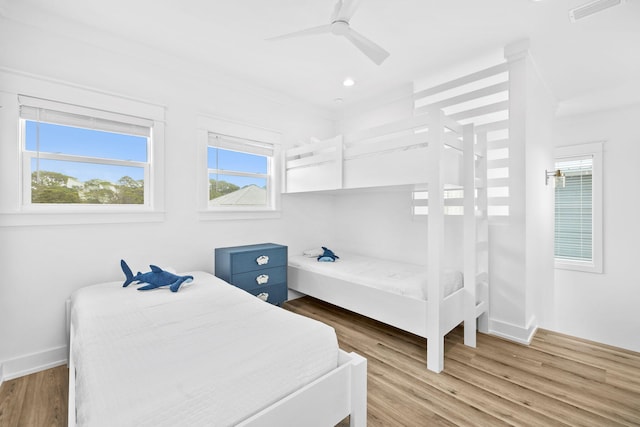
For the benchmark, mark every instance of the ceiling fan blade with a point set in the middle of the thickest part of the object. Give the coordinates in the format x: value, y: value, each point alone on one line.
x: 369, y: 48
x: 344, y: 10
x: 336, y: 10
x: 321, y: 29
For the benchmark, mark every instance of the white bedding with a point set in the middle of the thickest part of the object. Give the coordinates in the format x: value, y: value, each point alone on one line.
x: 210, y: 354
x: 391, y: 276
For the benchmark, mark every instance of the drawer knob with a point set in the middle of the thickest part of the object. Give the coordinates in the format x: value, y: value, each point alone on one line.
x: 262, y: 279
x: 262, y: 260
x: 263, y: 296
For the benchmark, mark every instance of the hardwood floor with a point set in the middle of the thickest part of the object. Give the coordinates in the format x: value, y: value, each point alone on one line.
x: 35, y: 400
x: 556, y: 381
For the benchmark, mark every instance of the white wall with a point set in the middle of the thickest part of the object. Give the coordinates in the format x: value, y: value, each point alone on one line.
x: 42, y: 265
x: 604, y: 307
x: 397, y: 104
x: 380, y: 224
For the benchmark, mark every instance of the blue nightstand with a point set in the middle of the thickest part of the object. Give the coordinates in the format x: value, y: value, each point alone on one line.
x: 258, y: 269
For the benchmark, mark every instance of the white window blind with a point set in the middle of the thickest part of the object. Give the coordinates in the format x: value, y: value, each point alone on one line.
x: 574, y: 210
x: 42, y: 110
x: 240, y: 144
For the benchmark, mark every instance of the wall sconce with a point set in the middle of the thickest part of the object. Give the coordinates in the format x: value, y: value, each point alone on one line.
x: 557, y: 175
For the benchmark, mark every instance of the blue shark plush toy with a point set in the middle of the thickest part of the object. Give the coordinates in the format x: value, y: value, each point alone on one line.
x: 155, y: 278
x: 328, y: 256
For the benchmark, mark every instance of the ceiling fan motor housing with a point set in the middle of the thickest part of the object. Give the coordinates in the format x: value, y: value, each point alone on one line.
x: 339, y: 28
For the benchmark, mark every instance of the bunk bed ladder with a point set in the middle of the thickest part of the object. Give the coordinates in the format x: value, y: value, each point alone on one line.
x: 482, y: 260
x: 476, y: 245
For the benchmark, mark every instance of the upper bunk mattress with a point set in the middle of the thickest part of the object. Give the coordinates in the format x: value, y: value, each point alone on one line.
x: 210, y: 354
x: 391, y: 276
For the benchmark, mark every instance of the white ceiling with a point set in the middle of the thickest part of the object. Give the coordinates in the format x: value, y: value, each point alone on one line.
x: 594, y: 63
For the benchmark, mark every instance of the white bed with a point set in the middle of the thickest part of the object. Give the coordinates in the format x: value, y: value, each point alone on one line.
x: 428, y: 151
x: 395, y: 293
x: 401, y: 278
x: 210, y: 354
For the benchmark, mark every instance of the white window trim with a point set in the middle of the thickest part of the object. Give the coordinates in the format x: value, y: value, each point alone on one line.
x: 589, y: 149
x: 207, y: 125
x: 28, y: 155
x: 13, y: 212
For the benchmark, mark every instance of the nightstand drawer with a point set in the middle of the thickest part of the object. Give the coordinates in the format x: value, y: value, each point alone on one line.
x: 277, y: 294
x: 258, y: 259
x: 263, y: 277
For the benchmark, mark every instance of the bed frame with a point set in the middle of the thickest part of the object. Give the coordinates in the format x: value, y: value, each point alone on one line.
x: 429, y: 150
x: 321, y: 403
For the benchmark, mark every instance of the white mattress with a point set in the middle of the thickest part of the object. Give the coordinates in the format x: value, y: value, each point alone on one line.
x: 391, y: 276
x: 210, y: 354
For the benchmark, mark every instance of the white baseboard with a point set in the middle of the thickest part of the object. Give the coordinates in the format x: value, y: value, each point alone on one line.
x: 519, y: 334
x: 34, y: 362
x: 1, y: 374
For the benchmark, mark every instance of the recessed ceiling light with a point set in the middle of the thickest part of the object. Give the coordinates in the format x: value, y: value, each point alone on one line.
x: 348, y: 82
x: 338, y: 100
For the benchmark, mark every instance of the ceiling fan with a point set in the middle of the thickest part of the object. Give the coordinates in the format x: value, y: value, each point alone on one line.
x: 339, y: 26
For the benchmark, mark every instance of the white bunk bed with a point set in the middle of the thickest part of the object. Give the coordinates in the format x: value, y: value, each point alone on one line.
x: 429, y: 150
x: 210, y: 354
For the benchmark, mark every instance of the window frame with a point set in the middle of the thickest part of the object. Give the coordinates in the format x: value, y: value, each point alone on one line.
x: 593, y: 150
x: 239, y: 133
x: 29, y: 155
x: 13, y: 212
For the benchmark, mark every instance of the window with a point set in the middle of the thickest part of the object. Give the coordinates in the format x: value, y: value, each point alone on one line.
x: 578, y: 208
x: 77, y: 156
x: 240, y: 179
x: 59, y: 131
x: 239, y: 172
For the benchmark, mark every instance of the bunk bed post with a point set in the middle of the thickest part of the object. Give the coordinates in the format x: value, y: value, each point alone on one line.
x: 435, y: 241
x: 483, y: 230
x: 470, y: 234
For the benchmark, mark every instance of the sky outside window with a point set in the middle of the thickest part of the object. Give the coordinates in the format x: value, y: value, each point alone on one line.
x: 89, y: 143
x: 236, y: 161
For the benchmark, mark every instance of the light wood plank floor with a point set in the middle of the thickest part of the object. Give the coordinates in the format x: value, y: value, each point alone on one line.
x: 35, y: 400
x: 556, y: 381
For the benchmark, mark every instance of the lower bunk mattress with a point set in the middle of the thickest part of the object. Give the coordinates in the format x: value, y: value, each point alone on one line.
x: 391, y: 276
x: 210, y: 354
